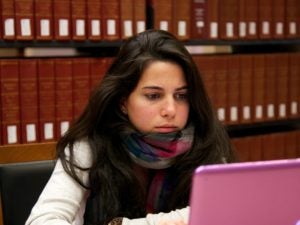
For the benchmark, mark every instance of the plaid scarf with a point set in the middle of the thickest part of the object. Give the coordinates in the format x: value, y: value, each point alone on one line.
x: 157, y: 151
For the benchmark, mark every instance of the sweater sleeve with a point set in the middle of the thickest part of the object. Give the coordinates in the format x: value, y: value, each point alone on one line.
x: 154, y: 219
x: 62, y: 201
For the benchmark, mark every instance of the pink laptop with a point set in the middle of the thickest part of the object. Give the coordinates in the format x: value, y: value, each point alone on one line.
x: 250, y: 193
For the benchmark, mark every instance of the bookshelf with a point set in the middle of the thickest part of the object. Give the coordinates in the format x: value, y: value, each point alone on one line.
x: 101, y: 47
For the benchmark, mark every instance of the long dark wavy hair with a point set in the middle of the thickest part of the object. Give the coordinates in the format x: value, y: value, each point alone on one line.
x: 113, y: 184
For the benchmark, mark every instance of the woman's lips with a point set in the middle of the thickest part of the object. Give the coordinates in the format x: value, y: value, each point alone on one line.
x: 166, y: 129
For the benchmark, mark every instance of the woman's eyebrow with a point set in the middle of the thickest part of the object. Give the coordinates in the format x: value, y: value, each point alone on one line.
x: 160, y: 88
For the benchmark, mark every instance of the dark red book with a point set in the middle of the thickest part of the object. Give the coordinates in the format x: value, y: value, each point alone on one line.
x: 290, y: 140
x: 94, y: 20
x: 206, y: 67
x: 62, y: 20
x: 246, y: 78
x: 29, y: 100
x: 278, y: 19
x: 282, y: 70
x: 270, y: 86
x: 139, y: 16
x: 98, y: 68
x: 229, y: 19
x: 265, y: 19
x: 221, y: 94
x: 10, y: 102
x: 251, y: 18
x: 162, y: 14
x: 259, y: 108
x: 256, y: 148
x: 81, y: 85
x: 78, y: 17
x: 294, y: 85
x: 242, y: 148
x: 111, y: 19
x: 233, y: 99
x: 126, y: 18
x: 273, y: 146
x: 24, y: 10
x: 63, y: 95
x: 8, y: 19
x: 292, y: 19
x: 43, y: 14
x: 46, y: 83
x: 182, y: 19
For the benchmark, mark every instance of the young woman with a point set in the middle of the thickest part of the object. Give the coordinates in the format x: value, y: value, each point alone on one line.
x: 130, y: 157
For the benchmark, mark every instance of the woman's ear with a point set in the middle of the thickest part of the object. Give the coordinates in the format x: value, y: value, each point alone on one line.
x: 123, y: 106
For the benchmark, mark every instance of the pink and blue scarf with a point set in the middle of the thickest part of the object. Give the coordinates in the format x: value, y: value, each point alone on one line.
x: 158, y: 151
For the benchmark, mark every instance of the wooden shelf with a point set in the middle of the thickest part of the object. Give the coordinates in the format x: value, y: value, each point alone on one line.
x: 27, y: 152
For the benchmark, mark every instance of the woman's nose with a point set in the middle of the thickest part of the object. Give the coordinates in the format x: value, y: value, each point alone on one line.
x: 168, y: 108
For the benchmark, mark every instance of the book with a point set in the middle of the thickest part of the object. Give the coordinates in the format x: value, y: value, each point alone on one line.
x: 8, y: 19
x: 62, y: 20
x: 162, y: 14
x: 111, y: 19
x: 81, y: 85
x: 78, y: 17
x: 46, y: 104
x: 293, y: 86
x: 98, y: 68
x: 265, y: 19
x: 282, y: 63
x: 290, y: 141
x: 251, y: 19
x: 246, y: 93
x: 278, y: 19
x: 126, y: 18
x: 10, y: 101
x: 182, y: 19
x: 228, y: 19
x: 63, y: 95
x: 233, y: 99
x: 24, y: 10
x: 29, y: 100
x: 139, y: 16
x: 242, y: 148
x: 94, y: 20
x: 292, y: 18
x: 199, y: 23
x: 43, y: 16
x: 259, y: 90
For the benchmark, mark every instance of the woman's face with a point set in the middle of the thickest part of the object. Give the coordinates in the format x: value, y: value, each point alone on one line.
x: 159, y: 103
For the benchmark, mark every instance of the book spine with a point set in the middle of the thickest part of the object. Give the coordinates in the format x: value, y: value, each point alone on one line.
x: 259, y: 113
x: 139, y: 16
x: 62, y: 20
x: 233, y: 101
x: 111, y: 19
x: 81, y: 85
x: 46, y: 84
x: 182, y: 19
x: 294, y: 85
x: 78, y: 18
x: 246, y: 107
x: 24, y: 10
x: 228, y: 17
x: 98, y: 68
x: 126, y: 18
x: 278, y: 19
x: 265, y: 19
x: 63, y: 95
x: 199, y: 23
x: 163, y: 14
x: 251, y: 14
x: 43, y: 19
x: 292, y: 19
x: 8, y: 20
x: 94, y: 20
x: 29, y: 100
x: 10, y: 100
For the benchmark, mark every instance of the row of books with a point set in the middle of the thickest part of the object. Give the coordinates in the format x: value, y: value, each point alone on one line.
x: 79, y: 20
x: 41, y: 97
x: 251, y: 88
x: 66, y: 20
x: 273, y: 146
x: 245, y: 19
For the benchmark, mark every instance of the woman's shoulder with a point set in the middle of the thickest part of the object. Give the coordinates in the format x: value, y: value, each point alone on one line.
x: 82, y: 153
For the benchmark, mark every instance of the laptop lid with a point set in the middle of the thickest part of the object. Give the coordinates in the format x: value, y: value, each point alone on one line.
x: 260, y: 193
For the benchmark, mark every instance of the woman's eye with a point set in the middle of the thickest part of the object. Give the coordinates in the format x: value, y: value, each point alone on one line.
x: 181, y: 96
x: 153, y: 96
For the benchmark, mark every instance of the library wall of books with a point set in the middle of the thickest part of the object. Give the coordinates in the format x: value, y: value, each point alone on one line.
x: 54, y: 52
